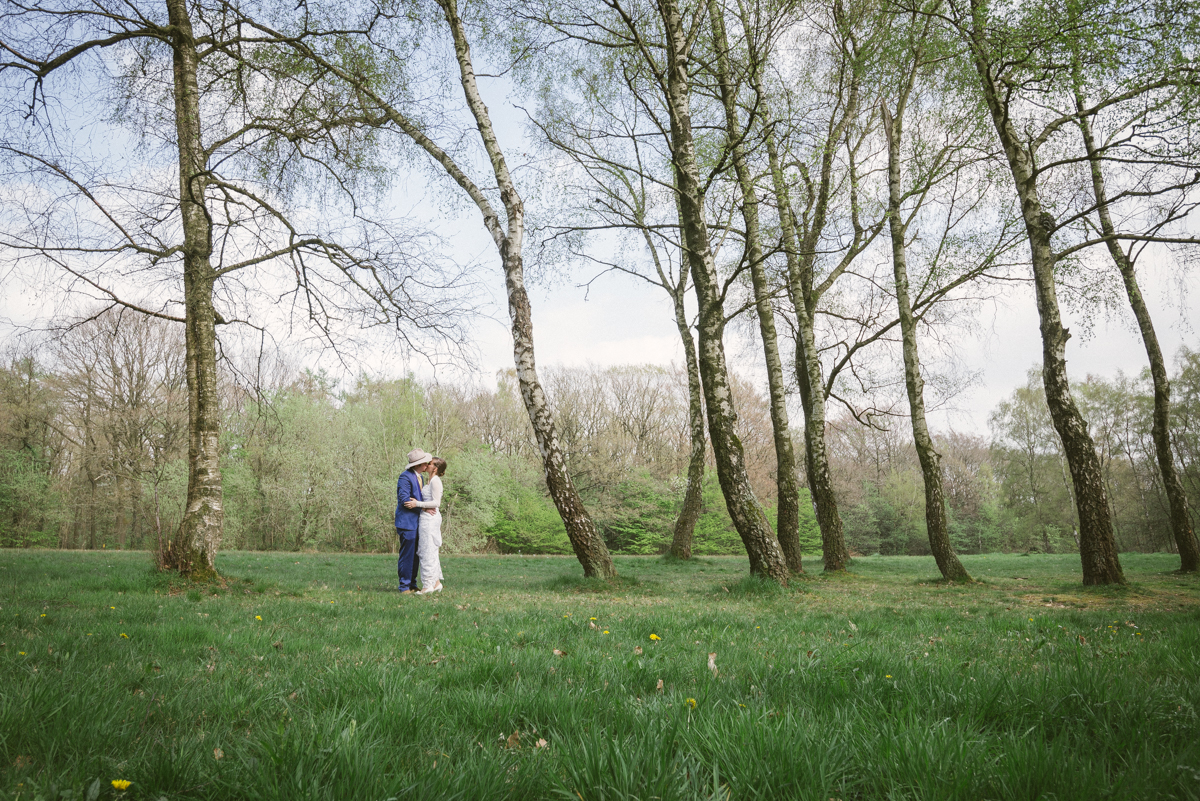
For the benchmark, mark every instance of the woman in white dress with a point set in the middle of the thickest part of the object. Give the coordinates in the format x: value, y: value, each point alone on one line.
x: 429, y: 534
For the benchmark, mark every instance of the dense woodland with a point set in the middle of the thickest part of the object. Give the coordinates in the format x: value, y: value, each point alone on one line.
x: 93, y: 454
x: 842, y: 182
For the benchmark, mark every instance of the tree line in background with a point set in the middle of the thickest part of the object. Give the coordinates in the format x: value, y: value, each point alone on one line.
x: 93, y: 453
x: 841, y: 179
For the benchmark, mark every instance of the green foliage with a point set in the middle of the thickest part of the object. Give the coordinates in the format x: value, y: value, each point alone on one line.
x: 307, y: 467
x: 642, y: 519
x: 475, y: 490
x: 30, y: 510
x: 715, y: 533
x: 529, y: 523
x: 810, y: 530
x: 891, y: 518
x: 873, y: 684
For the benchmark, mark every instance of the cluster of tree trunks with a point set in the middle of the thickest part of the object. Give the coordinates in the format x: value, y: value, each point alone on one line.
x: 674, y: 58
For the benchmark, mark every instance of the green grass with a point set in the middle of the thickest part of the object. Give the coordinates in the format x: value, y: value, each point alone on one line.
x: 883, y: 683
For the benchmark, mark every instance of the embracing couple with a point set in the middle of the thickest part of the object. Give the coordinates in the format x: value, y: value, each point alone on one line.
x: 419, y: 522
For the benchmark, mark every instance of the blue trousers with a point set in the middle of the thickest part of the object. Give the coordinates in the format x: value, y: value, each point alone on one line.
x: 406, y: 565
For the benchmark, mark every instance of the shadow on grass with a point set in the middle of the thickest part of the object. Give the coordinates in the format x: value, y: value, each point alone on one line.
x: 758, y: 587
x: 671, y: 560
x: 598, y: 586
x: 941, y: 581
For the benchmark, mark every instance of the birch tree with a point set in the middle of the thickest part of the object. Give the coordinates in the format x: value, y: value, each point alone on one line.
x: 624, y: 189
x: 247, y: 137
x: 917, y: 42
x: 658, y: 44
x: 786, y: 477
x: 1008, y: 49
x: 1146, y: 142
x: 365, y: 52
x: 803, y: 198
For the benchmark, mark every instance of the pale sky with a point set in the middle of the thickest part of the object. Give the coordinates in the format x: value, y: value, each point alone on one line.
x: 619, y: 320
x: 622, y: 321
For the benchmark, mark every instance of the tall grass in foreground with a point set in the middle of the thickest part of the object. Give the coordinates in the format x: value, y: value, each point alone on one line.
x: 304, y: 676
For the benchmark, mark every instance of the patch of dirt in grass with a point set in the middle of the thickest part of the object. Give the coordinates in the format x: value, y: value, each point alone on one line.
x: 179, y: 586
x: 1134, y: 597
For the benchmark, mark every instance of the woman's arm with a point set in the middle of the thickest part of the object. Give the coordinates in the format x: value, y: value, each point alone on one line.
x: 435, y: 495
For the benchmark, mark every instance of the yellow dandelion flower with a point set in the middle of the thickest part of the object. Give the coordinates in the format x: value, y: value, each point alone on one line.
x: 888, y: 676
x: 112, y: 607
x: 606, y: 632
x: 21, y: 653
x: 121, y: 784
x: 258, y: 617
x: 655, y: 637
x: 691, y: 702
x: 43, y: 614
x: 590, y: 618
x: 123, y: 634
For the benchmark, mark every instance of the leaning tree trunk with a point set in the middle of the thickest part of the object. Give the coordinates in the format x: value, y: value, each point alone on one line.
x: 1160, y: 431
x: 585, y: 539
x: 816, y: 456
x: 787, y: 525
x: 748, y: 517
x: 931, y: 466
x: 812, y: 386
x: 1097, y: 547
x: 800, y: 259
x: 693, y: 500
x: 808, y: 362
x: 194, y: 548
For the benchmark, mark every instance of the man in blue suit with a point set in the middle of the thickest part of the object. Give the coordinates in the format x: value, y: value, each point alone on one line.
x: 408, y: 486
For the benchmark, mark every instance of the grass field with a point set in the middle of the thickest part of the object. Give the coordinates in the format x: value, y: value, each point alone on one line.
x: 306, y: 676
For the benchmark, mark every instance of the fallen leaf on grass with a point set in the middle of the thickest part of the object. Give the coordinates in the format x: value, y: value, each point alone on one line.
x: 278, y: 643
x: 541, y: 743
x: 218, y: 753
x: 637, y: 651
x: 659, y: 688
x: 514, y: 740
x: 559, y: 653
x: 712, y: 664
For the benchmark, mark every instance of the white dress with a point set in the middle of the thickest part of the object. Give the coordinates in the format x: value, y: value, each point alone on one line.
x: 429, y: 534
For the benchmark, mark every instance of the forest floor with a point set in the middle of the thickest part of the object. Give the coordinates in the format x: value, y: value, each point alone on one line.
x: 305, y: 676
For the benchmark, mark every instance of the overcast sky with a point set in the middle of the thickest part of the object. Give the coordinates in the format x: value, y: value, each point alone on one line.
x: 622, y: 323
x: 619, y: 321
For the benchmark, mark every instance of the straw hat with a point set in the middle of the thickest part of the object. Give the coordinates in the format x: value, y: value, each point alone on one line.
x: 417, y: 456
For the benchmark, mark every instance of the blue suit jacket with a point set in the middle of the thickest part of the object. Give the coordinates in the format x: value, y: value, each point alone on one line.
x: 407, y: 520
